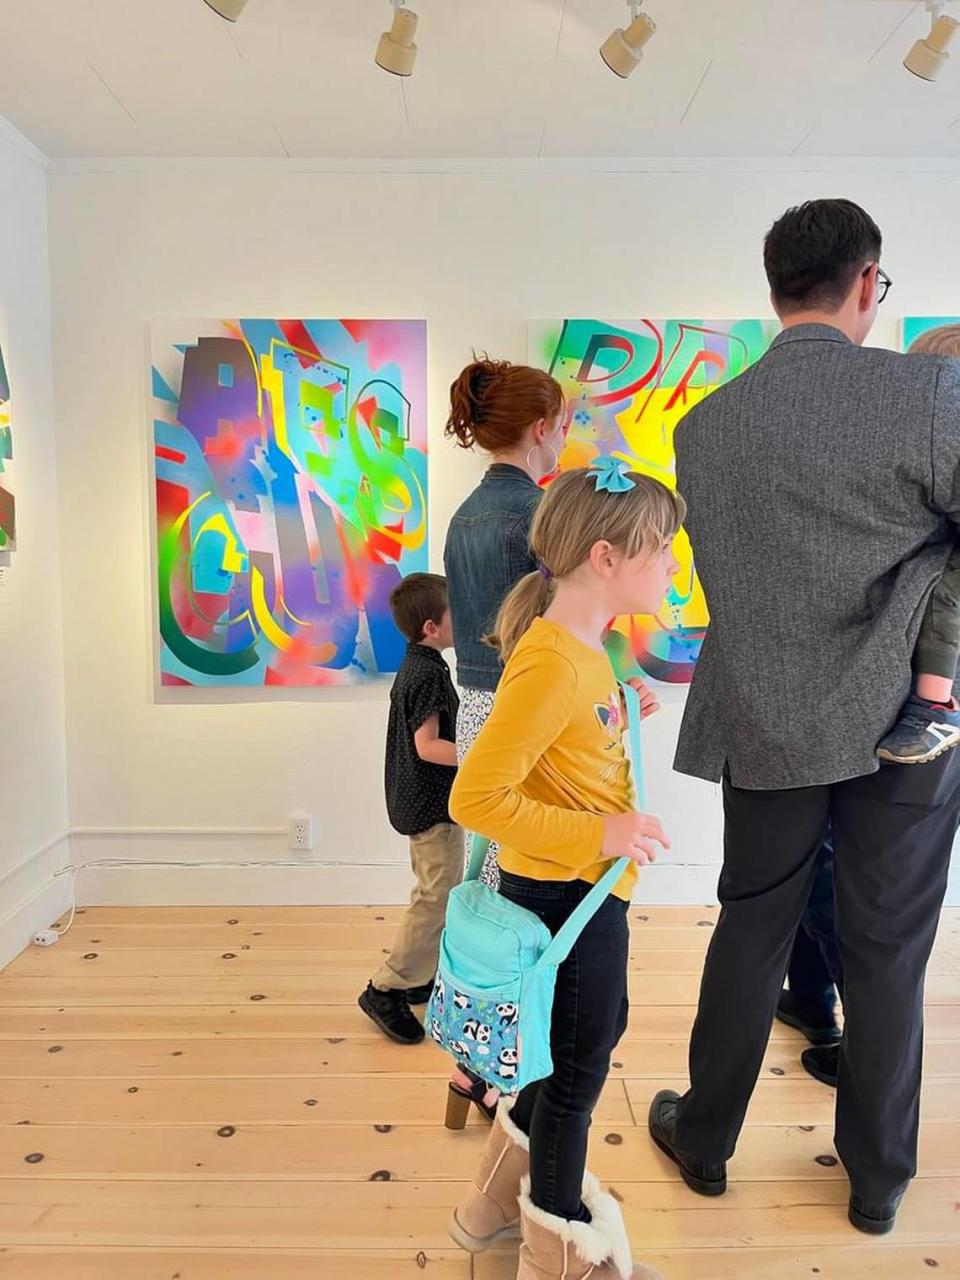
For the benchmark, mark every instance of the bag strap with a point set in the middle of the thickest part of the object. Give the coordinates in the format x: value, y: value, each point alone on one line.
x: 564, y: 940
x: 478, y: 854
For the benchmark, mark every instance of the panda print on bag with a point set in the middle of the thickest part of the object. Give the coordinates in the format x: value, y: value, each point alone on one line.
x: 507, y: 1064
x: 480, y: 1033
x: 509, y: 1014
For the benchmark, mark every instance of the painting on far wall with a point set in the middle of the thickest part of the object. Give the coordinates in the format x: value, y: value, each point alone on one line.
x: 291, y: 497
x: 8, y: 506
x: 915, y: 326
x: 628, y: 385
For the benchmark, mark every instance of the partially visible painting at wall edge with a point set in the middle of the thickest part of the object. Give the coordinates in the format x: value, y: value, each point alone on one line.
x: 8, y: 507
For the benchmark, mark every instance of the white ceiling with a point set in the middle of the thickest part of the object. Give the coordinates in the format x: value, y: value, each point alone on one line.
x: 494, y: 78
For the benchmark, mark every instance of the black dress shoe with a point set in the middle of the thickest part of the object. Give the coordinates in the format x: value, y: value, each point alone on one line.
x: 823, y: 1063
x: 874, y: 1219
x: 705, y: 1179
x: 390, y: 1011
x: 420, y: 995
x: 820, y: 1030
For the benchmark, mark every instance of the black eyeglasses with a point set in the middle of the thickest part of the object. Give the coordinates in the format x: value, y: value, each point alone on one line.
x: 884, y: 283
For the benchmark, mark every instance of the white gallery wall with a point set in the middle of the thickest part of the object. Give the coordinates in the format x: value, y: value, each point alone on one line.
x: 33, y: 787
x: 476, y: 251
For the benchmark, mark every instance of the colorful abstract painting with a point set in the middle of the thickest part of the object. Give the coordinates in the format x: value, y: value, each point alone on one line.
x: 629, y: 384
x: 914, y: 326
x: 8, y: 511
x: 291, y: 487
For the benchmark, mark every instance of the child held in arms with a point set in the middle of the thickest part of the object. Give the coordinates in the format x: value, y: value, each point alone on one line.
x: 421, y: 764
x: 929, y: 723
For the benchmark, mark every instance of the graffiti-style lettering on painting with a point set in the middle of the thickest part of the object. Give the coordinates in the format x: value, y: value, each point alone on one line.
x: 291, y: 486
x: 628, y: 386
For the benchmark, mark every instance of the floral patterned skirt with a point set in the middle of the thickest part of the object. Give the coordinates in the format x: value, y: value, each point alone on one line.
x: 475, y: 708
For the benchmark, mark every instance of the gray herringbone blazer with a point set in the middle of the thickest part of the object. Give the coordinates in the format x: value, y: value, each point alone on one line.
x: 824, y: 496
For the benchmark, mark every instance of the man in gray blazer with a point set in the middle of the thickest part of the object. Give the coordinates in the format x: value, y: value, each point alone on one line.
x: 824, y: 496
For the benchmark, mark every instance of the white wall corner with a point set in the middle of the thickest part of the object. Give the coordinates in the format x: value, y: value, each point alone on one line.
x: 23, y: 143
x: 33, y: 896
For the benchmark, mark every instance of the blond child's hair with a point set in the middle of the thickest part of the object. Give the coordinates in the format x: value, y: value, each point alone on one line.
x: 942, y: 341
x: 572, y: 516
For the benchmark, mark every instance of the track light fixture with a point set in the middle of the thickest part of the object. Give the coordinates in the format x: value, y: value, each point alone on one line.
x: 929, y: 57
x: 396, y: 51
x: 229, y: 9
x: 623, y: 50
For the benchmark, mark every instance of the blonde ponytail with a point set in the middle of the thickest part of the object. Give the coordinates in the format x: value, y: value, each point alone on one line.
x: 528, y: 600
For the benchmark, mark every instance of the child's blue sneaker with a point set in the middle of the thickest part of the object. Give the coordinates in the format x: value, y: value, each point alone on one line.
x: 924, y: 731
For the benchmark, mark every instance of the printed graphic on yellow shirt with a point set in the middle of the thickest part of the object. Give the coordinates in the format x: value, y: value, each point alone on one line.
x: 610, y: 718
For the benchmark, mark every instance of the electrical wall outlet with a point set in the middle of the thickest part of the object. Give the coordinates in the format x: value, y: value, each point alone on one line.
x: 301, y: 832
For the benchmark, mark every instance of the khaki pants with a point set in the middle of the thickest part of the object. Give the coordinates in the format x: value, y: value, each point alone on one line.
x: 437, y: 860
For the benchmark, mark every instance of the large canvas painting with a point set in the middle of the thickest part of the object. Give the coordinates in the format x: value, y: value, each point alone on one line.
x: 8, y: 513
x: 291, y: 496
x: 629, y: 384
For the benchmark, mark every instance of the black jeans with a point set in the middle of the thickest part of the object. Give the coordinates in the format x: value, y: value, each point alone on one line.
x: 590, y: 1011
x: 892, y: 833
x: 815, y: 973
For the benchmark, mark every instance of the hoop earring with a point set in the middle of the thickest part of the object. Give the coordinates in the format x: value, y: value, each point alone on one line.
x: 551, y: 470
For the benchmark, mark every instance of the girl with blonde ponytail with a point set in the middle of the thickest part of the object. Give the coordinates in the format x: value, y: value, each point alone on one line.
x: 548, y: 779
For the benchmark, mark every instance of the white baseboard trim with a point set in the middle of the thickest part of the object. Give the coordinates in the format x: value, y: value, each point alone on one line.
x: 316, y: 885
x: 42, y: 896
x: 270, y: 880
x: 384, y: 884
x: 272, y: 876
x: 57, y: 844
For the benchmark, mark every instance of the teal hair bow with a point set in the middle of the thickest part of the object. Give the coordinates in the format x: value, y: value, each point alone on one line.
x: 611, y: 475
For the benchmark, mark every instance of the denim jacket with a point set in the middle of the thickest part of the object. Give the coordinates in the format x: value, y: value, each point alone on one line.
x: 486, y: 553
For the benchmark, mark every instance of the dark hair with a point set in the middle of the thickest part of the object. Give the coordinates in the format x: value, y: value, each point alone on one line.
x: 419, y: 599
x: 814, y: 253
x: 494, y: 402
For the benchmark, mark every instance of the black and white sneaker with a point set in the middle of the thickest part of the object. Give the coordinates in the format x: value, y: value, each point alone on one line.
x: 391, y: 1012
x: 924, y: 731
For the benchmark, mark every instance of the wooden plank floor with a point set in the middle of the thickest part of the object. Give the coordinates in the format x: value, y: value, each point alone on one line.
x: 192, y: 1094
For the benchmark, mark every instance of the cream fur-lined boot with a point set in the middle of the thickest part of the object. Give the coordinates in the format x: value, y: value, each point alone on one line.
x: 491, y: 1210
x: 557, y: 1249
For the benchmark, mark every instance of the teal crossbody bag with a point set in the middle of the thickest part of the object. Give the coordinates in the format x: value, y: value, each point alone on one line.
x: 492, y: 1003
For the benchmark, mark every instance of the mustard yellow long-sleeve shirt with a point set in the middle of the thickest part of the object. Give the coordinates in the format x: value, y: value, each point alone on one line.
x: 549, y: 762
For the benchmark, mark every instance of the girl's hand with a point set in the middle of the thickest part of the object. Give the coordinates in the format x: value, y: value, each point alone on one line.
x: 649, y: 702
x: 633, y: 835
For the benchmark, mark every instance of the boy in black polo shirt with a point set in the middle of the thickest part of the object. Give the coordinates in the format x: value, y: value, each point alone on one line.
x: 421, y: 765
